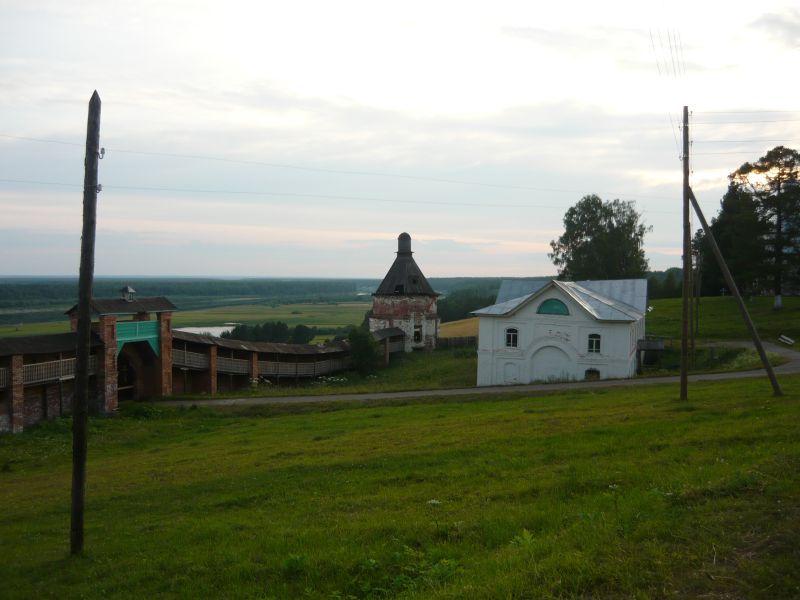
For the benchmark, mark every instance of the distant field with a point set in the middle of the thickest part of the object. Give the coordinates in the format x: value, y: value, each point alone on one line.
x: 462, y: 328
x: 319, y: 315
x: 587, y: 494
x: 719, y: 318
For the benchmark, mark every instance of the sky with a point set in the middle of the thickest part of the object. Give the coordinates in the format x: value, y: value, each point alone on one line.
x: 299, y: 139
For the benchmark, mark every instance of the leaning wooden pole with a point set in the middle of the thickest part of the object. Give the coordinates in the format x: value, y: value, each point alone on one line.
x: 776, y: 388
x: 80, y: 407
x: 687, y: 261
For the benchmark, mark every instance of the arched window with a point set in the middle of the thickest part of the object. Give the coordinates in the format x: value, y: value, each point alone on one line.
x: 594, y: 343
x: 512, y: 337
x: 552, y: 306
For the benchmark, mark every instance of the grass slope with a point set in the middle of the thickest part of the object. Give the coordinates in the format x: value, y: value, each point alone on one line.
x: 625, y: 493
x: 720, y: 319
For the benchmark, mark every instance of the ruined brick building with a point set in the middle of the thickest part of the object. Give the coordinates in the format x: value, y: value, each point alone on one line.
x: 405, y: 300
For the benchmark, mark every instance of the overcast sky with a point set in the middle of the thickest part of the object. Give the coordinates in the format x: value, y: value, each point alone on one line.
x: 300, y: 138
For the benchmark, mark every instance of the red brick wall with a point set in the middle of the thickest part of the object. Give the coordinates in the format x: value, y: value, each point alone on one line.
x: 165, y: 363
x: 107, y: 400
x: 17, y: 394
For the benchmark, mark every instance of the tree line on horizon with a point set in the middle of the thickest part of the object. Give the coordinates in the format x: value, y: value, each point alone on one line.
x: 757, y: 230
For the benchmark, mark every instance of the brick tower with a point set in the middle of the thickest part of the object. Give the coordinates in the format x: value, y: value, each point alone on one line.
x: 406, y: 300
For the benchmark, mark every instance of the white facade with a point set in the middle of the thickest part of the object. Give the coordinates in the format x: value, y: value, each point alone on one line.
x: 565, y: 331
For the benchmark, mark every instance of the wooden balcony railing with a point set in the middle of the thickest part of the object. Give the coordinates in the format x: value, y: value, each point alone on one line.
x: 54, y: 370
x: 233, y: 365
x: 192, y: 360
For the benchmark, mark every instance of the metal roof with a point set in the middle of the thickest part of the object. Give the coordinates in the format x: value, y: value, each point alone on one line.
x: 267, y: 347
x: 516, y: 288
x: 42, y: 344
x: 404, y: 278
x: 120, y: 306
x: 388, y: 332
x: 608, y: 300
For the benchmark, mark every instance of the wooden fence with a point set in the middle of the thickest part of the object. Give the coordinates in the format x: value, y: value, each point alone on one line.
x: 457, y: 342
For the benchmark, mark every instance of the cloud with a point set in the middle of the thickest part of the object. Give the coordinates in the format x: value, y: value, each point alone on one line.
x: 782, y: 28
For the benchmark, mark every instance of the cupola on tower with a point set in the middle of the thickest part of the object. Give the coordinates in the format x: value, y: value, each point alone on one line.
x: 406, y: 300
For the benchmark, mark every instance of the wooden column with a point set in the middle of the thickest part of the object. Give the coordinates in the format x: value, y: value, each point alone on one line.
x: 253, y: 365
x: 17, y: 395
x: 212, y: 370
x: 107, y: 381
x: 165, y: 352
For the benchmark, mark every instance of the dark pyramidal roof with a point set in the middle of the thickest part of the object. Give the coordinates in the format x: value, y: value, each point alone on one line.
x: 404, y: 277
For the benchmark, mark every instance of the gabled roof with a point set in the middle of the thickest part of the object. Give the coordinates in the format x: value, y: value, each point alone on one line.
x: 516, y: 288
x: 120, y: 306
x: 404, y: 278
x: 609, y: 300
x: 266, y: 347
x: 43, y: 344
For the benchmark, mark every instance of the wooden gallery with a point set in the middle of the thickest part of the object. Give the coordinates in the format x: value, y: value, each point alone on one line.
x: 135, y: 353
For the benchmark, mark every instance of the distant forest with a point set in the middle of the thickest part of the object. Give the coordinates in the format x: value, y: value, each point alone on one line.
x: 32, y: 299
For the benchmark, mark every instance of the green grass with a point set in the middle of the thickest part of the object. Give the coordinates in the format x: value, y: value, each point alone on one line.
x: 720, y: 318
x: 440, y: 369
x: 320, y: 315
x: 34, y: 328
x: 605, y: 494
x: 714, y: 359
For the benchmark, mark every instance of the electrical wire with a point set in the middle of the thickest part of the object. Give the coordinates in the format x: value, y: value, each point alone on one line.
x: 744, y: 122
x: 107, y: 187
x: 339, y: 171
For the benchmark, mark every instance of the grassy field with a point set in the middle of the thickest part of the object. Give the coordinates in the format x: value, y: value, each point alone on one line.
x: 441, y: 369
x: 594, y: 494
x: 319, y: 315
x: 456, y: 368
x: 720, y: 320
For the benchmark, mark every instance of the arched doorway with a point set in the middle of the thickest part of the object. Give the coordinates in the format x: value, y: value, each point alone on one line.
x: 137, y: 371
x: 551, y: 364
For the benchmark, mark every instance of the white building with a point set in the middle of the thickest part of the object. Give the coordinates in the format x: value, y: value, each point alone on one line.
x: 561, y: 331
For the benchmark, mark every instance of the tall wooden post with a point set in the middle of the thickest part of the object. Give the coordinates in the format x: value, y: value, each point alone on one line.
x: 726, y: 273
x: 687, y: 261
x: 81, y: 399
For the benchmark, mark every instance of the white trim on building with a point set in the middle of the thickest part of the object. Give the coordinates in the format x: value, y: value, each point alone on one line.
x: 563, y: 331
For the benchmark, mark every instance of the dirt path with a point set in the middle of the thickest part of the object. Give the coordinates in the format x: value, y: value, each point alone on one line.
x: 791, y: 367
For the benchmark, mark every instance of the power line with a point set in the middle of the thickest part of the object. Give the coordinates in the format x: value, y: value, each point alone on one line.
x: 340, y: 171
x: 710, y: 153
x: 655, y: 54
x: 742, y: 112
x: 299, y: 195
x: 680, y: 47
x: 753, y: 141
x: 744, y: 122
x: 32, y: 139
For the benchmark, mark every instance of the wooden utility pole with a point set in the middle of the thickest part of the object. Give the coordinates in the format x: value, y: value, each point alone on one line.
x: 80, y: 404
x: 776, y: 388
x: 687, y: 261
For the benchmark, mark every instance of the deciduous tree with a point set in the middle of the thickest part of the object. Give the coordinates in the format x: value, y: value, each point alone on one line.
x: 601, y: 240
